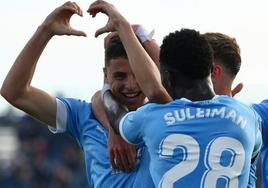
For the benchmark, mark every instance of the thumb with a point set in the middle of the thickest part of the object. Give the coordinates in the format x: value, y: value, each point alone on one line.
x: 101, y: 31
x: 77, y: 32
x: 237, y: 89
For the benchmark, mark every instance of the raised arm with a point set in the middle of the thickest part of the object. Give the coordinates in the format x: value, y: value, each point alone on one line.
x: 17, y: 88
x: 146, y: 72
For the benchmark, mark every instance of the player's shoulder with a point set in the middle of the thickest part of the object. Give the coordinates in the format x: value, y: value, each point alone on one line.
x: 73, y: 101
x: 230, y: 101
x: 78, y: 106
x: 262, y: 105
x: 151, y: 106
x: 236, y: 104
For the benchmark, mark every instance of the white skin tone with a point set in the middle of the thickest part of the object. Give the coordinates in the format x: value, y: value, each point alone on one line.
x: 141, y: 64
x: 122, y: 81
x: 17, y: 87
x: 222, y: 82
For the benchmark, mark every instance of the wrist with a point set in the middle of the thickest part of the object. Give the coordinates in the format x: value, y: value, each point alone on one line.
x: 122, y: 26
x: 45, y: 30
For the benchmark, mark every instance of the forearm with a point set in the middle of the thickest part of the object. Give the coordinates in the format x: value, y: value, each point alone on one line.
x: 114, y: 110
x: 20, y: 75
x: 145, y: 70
x: 98, y: 110
x: 153, y: 50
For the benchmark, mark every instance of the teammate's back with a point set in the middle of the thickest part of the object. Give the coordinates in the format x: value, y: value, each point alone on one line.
x: 198, y: 144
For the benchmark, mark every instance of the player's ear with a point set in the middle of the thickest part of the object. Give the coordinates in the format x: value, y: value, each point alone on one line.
x: 217, y: 71
x: 105, y: 73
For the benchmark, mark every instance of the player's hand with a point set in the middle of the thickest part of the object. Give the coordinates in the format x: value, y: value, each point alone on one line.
x: 106, y: 8
x: 122, y: 155
x: 58, y: 21
x: 237, y: 89
x: 113, y: 34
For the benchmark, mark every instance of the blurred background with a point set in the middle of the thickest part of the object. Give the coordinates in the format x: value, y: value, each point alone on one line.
x: 30, y: 156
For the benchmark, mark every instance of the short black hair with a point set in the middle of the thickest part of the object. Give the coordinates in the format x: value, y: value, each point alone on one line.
x: 226, y: 51
x: 114, y: 49
x: 188, y: 53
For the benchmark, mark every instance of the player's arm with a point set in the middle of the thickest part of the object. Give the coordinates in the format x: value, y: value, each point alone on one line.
x: 123, y: 122
x: 122, y: 155
x: 145, y: 37
x: 146, y: 72
x: 114, y: 110
x: 17, y: 88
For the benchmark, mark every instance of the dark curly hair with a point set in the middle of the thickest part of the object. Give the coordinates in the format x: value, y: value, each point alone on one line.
x: 226, y: 51
x: 188, y: 53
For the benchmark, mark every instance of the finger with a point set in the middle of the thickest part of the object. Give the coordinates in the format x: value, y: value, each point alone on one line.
x: 94, y: 4
x: 237, y: 89
x: 112, y: 161
x: 101, y: 31
x: 132, y: 158
x: 77, y: 32
x: 69, y: 6
x: 118, y: 161
x: 125, y: 162
x: 79, y: 10
x: 95, y: 9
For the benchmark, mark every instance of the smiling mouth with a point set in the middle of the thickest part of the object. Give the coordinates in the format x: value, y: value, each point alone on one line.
x: 131, y: 95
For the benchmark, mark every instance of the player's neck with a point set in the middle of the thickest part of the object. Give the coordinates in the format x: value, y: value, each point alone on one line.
x: 196, y: 91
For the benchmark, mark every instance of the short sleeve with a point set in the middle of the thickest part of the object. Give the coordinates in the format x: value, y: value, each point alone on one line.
x: 61, y: 118
x: 258, y: 135
x: 72, y: 114
x: 131, y: 126
x: 262, y: 110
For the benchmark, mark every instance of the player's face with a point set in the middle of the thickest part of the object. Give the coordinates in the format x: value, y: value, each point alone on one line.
x: 123, y: 83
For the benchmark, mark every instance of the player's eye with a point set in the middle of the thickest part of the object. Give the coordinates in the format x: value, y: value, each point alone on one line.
x: 119, y: 75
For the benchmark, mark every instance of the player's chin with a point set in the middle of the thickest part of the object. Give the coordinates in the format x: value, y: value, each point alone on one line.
x: 134, y: 102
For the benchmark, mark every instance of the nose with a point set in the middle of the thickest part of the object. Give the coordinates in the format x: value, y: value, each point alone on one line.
x: 131, y: 83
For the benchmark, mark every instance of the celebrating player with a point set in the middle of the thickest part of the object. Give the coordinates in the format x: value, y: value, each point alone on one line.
x: 75, y: 116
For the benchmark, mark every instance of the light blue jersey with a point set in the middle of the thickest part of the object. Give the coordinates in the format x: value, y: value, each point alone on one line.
x: 262, y: 110
x: 82, y: 125
x: 196, y: 144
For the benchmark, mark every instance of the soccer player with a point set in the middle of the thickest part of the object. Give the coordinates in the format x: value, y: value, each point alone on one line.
x: 75, y: 116
x: 202, y: 140
x: 227, y: 62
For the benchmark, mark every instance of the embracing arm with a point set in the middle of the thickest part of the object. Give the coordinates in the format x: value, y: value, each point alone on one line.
x: 17, y: 88
x: 122, y: 155
x: 115, y: 111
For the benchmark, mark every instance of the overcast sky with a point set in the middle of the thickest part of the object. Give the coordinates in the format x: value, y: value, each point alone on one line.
x: 73, y: 65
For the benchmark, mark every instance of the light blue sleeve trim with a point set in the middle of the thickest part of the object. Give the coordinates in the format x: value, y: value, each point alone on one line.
x: 61, y: 118
x: 121, y: 128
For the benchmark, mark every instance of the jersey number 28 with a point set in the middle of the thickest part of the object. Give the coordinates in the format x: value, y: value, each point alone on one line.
x: 191, y: 151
